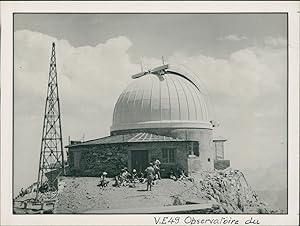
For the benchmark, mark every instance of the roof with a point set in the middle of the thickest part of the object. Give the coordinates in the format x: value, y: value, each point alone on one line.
x: 128, y: 138
x: 219, y: 138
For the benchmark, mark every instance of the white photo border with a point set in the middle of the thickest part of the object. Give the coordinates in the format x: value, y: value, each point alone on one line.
x: 7, y: 10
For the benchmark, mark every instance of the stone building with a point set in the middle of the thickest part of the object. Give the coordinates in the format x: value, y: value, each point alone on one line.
x: 163, y: 114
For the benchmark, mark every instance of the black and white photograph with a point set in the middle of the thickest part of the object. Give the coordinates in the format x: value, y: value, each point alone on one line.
x: 118, y: 113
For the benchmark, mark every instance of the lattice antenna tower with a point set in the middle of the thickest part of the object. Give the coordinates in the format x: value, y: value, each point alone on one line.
x: 51, y: 163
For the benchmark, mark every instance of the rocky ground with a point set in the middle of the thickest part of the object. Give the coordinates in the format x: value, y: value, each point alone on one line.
x: 228, y: 189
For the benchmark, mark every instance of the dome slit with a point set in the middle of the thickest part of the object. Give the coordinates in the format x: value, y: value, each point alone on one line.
x: 170, y: 112
x: 192, y: 95
x: 187, y: 104
x: 179, y: 115
x: 201, y: 105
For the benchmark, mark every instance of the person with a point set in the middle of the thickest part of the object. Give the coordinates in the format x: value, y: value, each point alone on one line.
x: 117, y: 181
x: 124, y: 177
x: 44, y: 187
x: 157, y: 169
x: 141, y: 177
x: 22, y: 192
x: 172, y: 175
x: 150, y: 172
x: 134, y: 176
x: 103, y: 181
x: 182, y: 175
x: 125, y: 174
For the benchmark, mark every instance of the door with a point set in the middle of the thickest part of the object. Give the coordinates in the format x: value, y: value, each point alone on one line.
x: 139, y: 160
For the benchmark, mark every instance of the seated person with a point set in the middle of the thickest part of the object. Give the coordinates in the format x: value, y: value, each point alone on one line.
x: 125, y: 174
x: 172, y: 175
x: 117, y: 181
x: 103, y: 181
x: 134, y: 176
x: 141, y: 177
x: 124, y: 177
x: 182, y: 175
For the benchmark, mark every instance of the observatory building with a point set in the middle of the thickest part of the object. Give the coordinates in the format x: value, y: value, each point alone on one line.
x: 163, y: 114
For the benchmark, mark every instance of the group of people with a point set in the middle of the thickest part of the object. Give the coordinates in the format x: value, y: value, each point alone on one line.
x: 180, y: 176
x: 151, y: 173
x: 23, y: 192
x: 125, y: 178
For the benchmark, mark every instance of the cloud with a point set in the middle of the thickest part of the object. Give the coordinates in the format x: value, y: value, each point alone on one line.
x: 82, y: 71
x: 275, y: 42
x: 232, y: 37
x: 247, y: 73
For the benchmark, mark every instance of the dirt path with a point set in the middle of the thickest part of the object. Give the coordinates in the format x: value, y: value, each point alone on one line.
x: 82, y: 194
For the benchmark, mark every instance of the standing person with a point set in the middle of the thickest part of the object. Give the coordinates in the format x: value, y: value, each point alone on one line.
x: 150, y: 172
x: 157, y: 169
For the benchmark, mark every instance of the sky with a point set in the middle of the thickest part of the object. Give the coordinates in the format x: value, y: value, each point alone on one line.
x: 241, y: 58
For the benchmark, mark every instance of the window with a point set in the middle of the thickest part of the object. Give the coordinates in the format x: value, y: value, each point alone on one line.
x: 193, y: 149
x: 190, y: 149
x: 168, y: 155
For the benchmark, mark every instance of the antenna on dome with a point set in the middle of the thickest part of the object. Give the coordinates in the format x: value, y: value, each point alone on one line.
x: 161, y: 70
x: 138, y: 75
x: 142, y: 68
x: 163, y: 60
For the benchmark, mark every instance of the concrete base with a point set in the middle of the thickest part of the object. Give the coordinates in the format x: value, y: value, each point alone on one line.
x: 194, y: 164
x: 221, y: 164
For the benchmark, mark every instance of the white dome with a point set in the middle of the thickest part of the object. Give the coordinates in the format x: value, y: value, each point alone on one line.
x: 171, y: 100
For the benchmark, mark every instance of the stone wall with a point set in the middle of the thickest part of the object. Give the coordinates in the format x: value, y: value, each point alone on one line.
x: 94, y: 159
x: 98, y: 158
